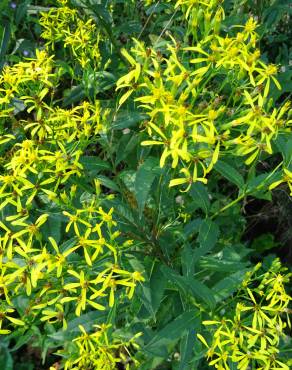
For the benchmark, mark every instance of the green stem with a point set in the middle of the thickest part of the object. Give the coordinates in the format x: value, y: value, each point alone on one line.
x: 238, y: 199
x: 202, y: 88
x: 245, y: 193
x: 108, y: 31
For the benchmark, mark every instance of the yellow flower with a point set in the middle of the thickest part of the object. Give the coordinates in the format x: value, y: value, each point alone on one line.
x: 59, y: 259
x: 8, y: 239
x: 31, y: 229
x: 74, y: 220
x: 267, y: 73
x: 6, y: 314
x: 188, y: 179
x: 252, y: 336
x: 56, y: 315
x: 83, y: 286
x: 286, y: 178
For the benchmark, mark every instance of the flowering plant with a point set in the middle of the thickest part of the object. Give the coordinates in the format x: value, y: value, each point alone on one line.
x: 129, y: 157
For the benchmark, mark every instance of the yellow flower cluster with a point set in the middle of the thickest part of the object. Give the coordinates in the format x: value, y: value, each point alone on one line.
x: 16, y: 79
x: 69, y: 257
x: 204, y: 16
x: 98, y: 351
x: 31, y: 83
x: 182, y: 91
x: 251, y: 338
x: 35, y: 265
x: 63, y: 24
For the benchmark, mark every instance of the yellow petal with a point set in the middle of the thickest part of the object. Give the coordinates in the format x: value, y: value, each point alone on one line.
x: 151, y: 142
x: 176, y: 182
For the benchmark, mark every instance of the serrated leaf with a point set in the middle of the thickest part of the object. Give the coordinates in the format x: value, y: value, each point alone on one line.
x: 187, y: 260
x: 123, y: 151
x: 125, y: 214
x: 144, y: 179
x: 153, y: 290
x: 202, y: 292
x: 108, y: 183
x: 126, y: 119
x: 208, y: 236
x: 189, y: 285
x: 230, y: 173
x: 92, y: 163
x: 157, y: 286
x: 192, y: 227
x: 186, y: 350
x: 172, y: 332
x: 221, y: 265
x: 200, y: 196
x: 228, y: 285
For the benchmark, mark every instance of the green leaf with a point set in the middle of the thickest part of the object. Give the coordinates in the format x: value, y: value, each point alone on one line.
x: 35, y: 9
x: 228, y: 285
x: 192, y: 227
x: 21, y: 11
x: 172, y: 332
x: 94, y: 164
x: 87, y: 320
x: 153, y: 290
x: 126, y: 119
x: 98, y: 82
x: 221, y: 265
x: 186, y: 349
x: 144, y: 179
x: 157, y: 286
x: 93, y: 83
x: 258, y: 186
x: 285, y: 80
x: 108, y: 183
x: 202, y: 292
x: 53, y: 226
x: 80, y: 181
x: 264, y: 242
x: 74, y: 96
x: 284, y: 145
x: 189, y: 285
x: 128, y: 219
x: 6, y: 361
x: 101, y: 11
x: 128, y: 177
x: 208, y: 236
x: 187, y: 260
x: 230, y: 173
x: 200, y: 196
x: 123, y: 151
x: 4, y: 43
x: 22, y: 340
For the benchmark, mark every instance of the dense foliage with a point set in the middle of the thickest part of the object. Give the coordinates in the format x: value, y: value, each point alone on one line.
x: 142, y: 143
